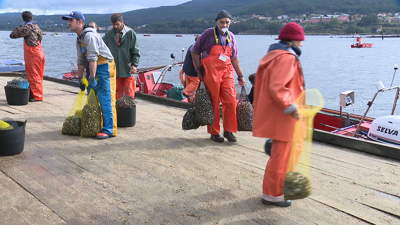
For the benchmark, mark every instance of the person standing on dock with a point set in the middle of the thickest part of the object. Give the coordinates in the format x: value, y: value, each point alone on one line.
x: 279, y: 82
x: 192, y: 81
x: 91, y: 48
x: 94, y: 25
x: 219, y: 56
x: 33, y: 54
x: 123, y: 44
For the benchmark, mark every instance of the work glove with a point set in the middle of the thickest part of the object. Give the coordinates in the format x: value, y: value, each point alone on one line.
x: 81, y: 85
x: 93, y: 82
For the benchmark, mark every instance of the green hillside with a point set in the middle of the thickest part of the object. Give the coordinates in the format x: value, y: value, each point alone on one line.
x: 195, y: 15
x: 297, y: 7
x: 192, y: 9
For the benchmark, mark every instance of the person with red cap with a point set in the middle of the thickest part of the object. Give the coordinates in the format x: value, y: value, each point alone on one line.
x: 279, y: 83
x: 219, y: 54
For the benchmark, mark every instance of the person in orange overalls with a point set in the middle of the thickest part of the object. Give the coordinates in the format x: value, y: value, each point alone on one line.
x: 33, y: 54
x: 188, y: 75
x: 279, y: 82
x: 219, y: 56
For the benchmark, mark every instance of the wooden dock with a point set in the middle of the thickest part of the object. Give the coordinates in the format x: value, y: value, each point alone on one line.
x: 156, y: 173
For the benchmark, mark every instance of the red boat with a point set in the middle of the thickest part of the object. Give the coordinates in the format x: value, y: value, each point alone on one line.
x: 359, y: 44
x: 73, y: 75
x: 151, y: 82
x: 379, y: 136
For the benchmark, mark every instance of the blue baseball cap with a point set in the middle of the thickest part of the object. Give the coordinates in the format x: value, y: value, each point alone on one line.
x: 74, y: 15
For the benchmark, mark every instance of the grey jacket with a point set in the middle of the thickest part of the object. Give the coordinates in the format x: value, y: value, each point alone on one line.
x: 91, y: 43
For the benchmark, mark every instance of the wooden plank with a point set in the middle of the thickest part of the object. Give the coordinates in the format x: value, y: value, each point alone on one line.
x: 389, y: 205
x: 66, y: 188
x: 18, y: 206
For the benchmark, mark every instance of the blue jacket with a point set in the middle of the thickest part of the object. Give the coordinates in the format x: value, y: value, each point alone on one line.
x: 188, y: 67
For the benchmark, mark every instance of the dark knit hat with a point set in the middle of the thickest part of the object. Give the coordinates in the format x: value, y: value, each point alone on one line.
x: 223, y: 14
x: 292, y: 31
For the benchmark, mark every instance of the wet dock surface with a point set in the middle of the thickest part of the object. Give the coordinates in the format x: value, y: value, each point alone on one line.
x: 156, y: 173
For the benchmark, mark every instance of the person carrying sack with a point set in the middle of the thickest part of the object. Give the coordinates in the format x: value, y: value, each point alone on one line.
x: 91, y: 48
x: 219, y: 56
x: 279, y: 82
x: 191, y: 80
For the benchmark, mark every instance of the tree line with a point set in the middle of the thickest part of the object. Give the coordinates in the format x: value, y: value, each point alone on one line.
x: 164, y: 22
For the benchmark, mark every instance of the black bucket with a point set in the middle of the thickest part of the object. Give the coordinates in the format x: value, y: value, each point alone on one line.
x: 12, y: 141
x: 17, y: 96
x: 126, y: 117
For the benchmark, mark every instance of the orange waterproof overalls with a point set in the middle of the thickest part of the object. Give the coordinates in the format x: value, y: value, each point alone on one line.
x: 279, y: 83
x: 126, y: 86
x: 34, y: 66
x: 220, y: 83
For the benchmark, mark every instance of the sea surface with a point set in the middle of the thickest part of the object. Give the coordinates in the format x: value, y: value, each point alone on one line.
x: 329, y: 64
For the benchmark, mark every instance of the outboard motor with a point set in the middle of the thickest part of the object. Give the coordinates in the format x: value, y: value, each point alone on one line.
x: 386, y: 129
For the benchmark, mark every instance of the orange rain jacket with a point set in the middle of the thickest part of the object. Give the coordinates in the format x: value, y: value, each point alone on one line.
x: 278, y: 83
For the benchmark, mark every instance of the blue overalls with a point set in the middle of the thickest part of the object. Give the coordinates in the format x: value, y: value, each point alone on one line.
x: 105, y: 91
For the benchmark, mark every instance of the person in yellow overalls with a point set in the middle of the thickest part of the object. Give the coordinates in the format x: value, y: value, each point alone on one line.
x: 219, y: 56
x: 91, y: 48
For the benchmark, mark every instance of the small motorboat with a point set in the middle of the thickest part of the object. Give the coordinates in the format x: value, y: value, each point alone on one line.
x: 179, y: 35
x: 7, y: 65
x: 384, y: 129
x: 146, y: 35
x: 151, y: 82
x: 364, y: 45
x: 56, y: 34
x: 73, y: 75
x: 359, y: 44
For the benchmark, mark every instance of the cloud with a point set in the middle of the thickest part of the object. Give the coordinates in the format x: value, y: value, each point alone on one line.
x: 51, y: 7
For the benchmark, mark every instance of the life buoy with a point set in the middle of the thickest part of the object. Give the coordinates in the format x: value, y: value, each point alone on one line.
x: 182, y: 77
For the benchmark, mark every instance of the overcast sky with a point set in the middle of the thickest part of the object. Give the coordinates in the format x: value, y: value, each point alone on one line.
x: 50, y: 7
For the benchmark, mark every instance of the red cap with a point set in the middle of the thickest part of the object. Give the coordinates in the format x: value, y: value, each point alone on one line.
x: 292, y: 31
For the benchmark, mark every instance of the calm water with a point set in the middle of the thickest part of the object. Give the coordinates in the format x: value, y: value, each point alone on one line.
x: 329, y: 64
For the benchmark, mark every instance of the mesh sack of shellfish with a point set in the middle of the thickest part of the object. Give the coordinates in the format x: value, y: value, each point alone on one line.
x: 189, y: 121
x: 203, y: 106
x: 91, y: 117
x: 244, y: 112
x: 296, y: 186
x: 72, y: 124
x: 125, y: 101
